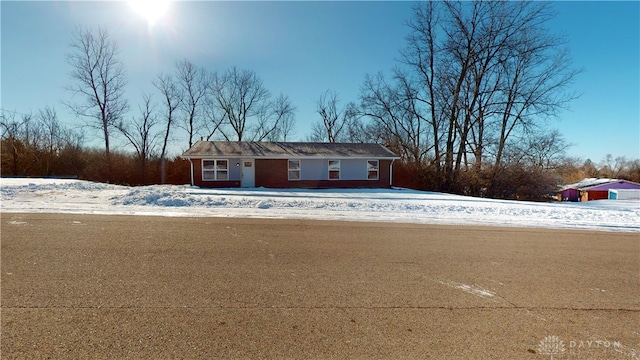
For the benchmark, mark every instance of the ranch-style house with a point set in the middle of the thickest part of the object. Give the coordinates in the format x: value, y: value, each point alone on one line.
x: 216, y: 164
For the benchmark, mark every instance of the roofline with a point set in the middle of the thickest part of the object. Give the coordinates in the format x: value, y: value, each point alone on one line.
x: 587, y: 187
x: 609, y: 183
x: 209, y: 156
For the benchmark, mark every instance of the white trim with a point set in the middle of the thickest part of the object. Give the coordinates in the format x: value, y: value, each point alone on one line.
x: 191, y: 171
x: 377, y: 170
x: 215, y: 169
x: 391, y: 173
x: 295, y: 157
x: 299, y: 170
x: 244, y: 171
x: 329, y: 169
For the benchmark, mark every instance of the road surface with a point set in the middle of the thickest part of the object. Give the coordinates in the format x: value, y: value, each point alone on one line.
x: 108, y: 287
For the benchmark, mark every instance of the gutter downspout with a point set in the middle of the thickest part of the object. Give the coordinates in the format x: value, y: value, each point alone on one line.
x: 391, y: 173
x: 191, y: 170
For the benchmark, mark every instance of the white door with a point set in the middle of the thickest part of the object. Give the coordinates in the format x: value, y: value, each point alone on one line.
x: 248, y: 173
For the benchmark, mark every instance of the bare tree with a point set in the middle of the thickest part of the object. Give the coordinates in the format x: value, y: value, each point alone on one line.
x: 99, y: 79
x: 53, y: 137
x: 474, y: 75
x: 318, y: 133
x: 612, y: 167
x: 193, y: 84
x: 360, y: 132
x: 286, y: 127
x: 216, y: 117
x: 245, y: 105
x: 172, y: 100
x: 139, y: 132
x: 420, y: 57
x: 333, y: 121
x: 547, y: 149
x: 35, y: 144
x: 393, y: 110
x: 276, y: 121
x: 14, y: 135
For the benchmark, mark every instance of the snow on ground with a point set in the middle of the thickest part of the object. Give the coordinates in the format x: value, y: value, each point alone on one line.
x: 384, y: 205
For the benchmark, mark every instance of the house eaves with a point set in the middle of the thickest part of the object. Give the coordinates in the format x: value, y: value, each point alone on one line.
x: 288, y: 150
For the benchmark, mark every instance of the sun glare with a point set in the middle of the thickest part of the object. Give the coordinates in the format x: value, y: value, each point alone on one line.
x: 151, y: 10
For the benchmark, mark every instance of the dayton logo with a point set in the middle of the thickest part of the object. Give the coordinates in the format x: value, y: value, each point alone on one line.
x: 552, y: 346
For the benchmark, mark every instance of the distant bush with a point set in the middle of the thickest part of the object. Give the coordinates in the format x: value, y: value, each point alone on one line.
x: 514, y: 181
x: 88, y: 164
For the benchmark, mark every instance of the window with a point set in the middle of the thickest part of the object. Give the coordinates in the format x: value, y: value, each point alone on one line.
x: 334, y: 169
x: 372, y: 169
x: 294, y: 170
x: 213, y: 170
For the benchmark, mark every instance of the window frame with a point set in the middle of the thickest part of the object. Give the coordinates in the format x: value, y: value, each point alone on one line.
x: 216, y: 171
x: 329, y: 170
x: 298, y: 170
x: 376, y: 170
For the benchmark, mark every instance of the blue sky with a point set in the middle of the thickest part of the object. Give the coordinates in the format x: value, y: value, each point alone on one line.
x: 302, y: 49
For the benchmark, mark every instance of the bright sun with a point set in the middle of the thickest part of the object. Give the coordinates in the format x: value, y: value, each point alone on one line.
x: 152, y: 10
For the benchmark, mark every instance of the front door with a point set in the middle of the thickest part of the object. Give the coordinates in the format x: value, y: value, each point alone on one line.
x: 248, y: 173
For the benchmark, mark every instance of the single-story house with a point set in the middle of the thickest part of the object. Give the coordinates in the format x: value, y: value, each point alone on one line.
x: 289, y: 164
x: 593, y: 189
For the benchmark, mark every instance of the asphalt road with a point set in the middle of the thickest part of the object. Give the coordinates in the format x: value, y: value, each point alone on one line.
x: 108, y: 287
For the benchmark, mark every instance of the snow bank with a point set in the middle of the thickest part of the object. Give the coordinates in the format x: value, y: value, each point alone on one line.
x: 387, y: 205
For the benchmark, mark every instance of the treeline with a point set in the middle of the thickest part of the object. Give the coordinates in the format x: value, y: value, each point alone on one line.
x: 190, y: 102
x: 37, y: 145
x: 467, y: 109
x: 469, y: 101
x: 469, y: 104
x: 522, y: 180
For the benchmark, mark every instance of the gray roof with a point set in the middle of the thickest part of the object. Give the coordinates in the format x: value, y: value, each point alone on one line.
x: 274, y: 150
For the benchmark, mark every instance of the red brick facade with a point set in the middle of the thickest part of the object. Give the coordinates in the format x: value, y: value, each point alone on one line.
x: 273, y: 173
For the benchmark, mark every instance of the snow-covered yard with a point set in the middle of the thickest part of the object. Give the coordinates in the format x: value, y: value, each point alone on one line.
x: 390, y: 205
